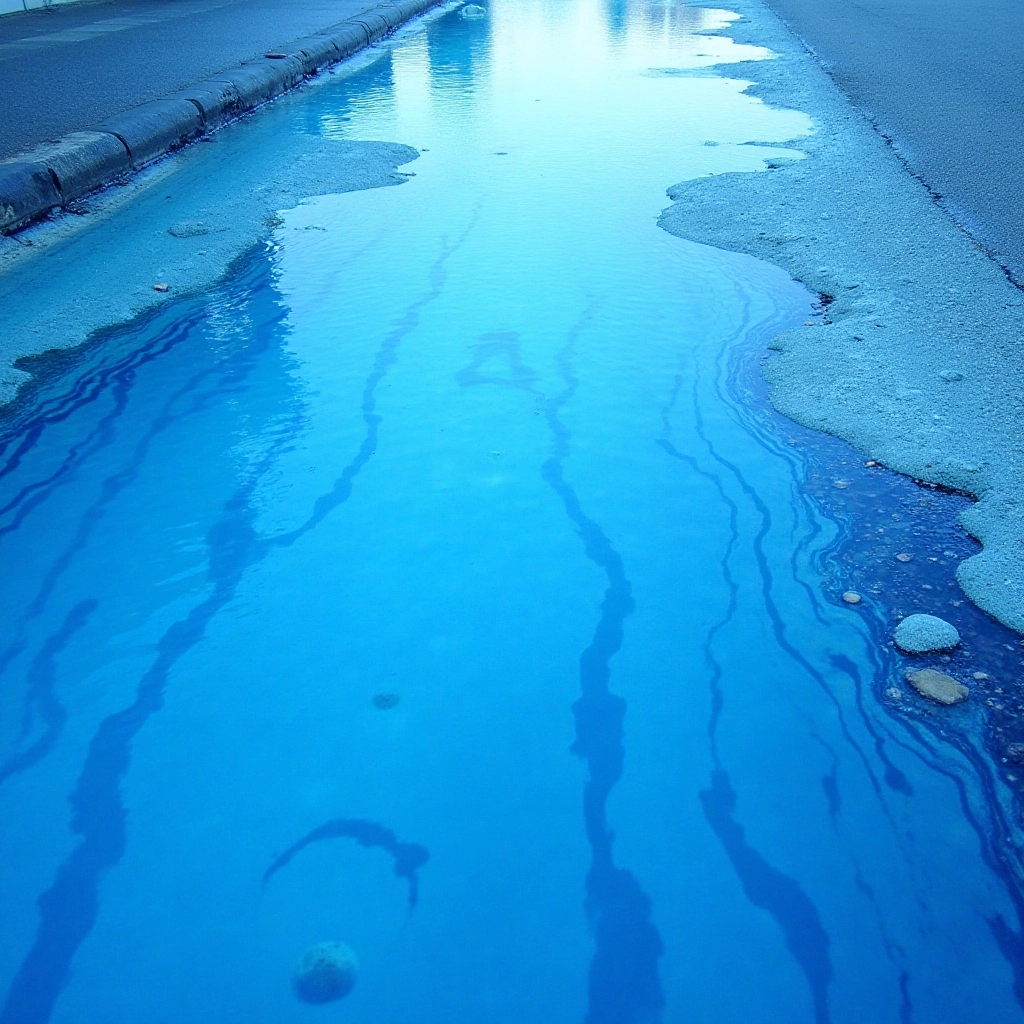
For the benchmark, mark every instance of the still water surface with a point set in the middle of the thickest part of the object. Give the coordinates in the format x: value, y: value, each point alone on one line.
x: 437, y: 585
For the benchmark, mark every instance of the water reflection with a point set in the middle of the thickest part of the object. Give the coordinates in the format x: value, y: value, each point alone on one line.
x: 455, y: 58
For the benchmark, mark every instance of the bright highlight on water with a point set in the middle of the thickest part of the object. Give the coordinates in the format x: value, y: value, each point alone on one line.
x: 427, y: 622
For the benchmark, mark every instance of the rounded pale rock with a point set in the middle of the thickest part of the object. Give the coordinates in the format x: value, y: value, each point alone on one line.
x: 921, y: 634
x: 937, y: 686
x: 473, y: 11
x: 903, y: 556
x: 852, y: 597
x: 327, y: 972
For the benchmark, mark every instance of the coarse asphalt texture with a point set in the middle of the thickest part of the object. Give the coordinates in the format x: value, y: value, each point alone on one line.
x: 944, y: 80
x: 65, y: 68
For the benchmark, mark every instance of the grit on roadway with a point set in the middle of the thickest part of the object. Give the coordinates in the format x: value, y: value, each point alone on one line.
x: 65, y: 68
x: 944, y: 80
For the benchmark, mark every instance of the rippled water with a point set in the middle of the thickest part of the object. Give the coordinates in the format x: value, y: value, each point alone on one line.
x: 441, y: 586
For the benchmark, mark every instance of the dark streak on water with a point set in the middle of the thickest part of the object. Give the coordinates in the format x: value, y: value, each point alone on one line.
x: 41, y: 695
x: 408, y: 857
x: 881, y: 514
x: 69, y: 907
x: 830, y: 786
x: 770, y: 889
x: 765, y: 886
x: 624, y: 984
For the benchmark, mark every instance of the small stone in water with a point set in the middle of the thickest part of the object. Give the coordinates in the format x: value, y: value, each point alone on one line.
x: 161, y: 287
x: 920, y: 634
x: 841, y: 484
x: 852, y: 597
x: 982, y: 675
x: 385, y: 701
x: 937, y: 686
x: 870, y: 463
x: 327, y: 972
x: 904, y: 556
x: 894, y: 693
x: 1015, y: 752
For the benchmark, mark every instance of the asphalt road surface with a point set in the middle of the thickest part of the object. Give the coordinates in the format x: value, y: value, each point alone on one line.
x: 67, y: 67
x: 944, y: 79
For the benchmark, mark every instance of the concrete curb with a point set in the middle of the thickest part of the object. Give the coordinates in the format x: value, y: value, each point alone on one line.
x: 56, y: 173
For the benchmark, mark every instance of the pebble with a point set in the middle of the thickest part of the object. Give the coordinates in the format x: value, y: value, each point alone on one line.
x: 161, y: 287
x: 1015, y: 752
x: 385, y: 701
x: 904, y: 556
x: 894, y: 693
x: 841, y: 484
x: 852, y: 597
x: 937, y: 686
x: 327, y: 972
x: 981, y: 675
x: 921, y: 634
x: 870, y: 463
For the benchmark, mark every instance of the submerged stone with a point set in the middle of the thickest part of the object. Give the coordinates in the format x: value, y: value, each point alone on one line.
x: 937, y: 686
x: 473, y: 11
x: 921, y: 634
x: 327, y: 972
x: 852, y: 597
x: 385, y: 701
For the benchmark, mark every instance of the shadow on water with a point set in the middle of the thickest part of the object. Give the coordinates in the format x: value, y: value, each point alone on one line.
x: 624, y: 985
x: 770, y: 889
x: 881, y: 514
x: 41, y: 698
x: 408, y: 857
x: 764, y: 885
x: 68, y: 908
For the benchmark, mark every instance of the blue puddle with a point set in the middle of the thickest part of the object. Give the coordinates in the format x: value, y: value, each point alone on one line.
x: 442, y: 584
